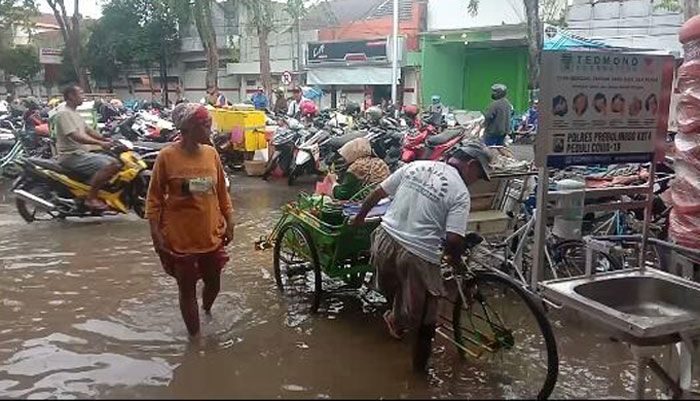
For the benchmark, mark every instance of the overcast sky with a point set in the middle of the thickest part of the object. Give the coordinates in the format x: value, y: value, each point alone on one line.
x: 89, y: 8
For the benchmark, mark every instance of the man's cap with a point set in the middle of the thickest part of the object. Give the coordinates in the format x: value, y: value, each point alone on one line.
x: 475, y: 151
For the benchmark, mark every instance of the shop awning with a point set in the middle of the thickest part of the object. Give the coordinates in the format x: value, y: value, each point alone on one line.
x: 365, y: 75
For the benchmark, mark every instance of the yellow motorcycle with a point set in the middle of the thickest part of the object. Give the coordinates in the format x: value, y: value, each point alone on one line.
x: 45, y: 190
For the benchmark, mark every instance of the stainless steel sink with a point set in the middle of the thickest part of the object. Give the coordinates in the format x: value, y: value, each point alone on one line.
x: 641, y: 304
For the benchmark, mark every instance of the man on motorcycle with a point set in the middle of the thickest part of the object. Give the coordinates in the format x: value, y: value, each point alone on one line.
x: 294, y: 109
x: 73, y: 138
x: 497, y: 117
x: 430, y: 208
x: 259, y: 99
x: 280, y: 102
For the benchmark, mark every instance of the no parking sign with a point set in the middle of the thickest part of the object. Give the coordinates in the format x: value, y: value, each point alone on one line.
x: 286, y: 78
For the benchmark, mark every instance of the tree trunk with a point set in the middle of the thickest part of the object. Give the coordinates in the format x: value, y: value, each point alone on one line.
x: 690, y: 9
x: 265, y: 69
x: 534, y: 39
x: 164, y: 76
x: 31, y: 87
x: 207, y: 35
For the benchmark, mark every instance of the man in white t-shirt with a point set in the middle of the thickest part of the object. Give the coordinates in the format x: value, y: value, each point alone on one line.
x: 430, y: 207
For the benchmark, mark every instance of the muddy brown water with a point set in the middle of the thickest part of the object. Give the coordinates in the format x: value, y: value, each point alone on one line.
x: 86, y: 311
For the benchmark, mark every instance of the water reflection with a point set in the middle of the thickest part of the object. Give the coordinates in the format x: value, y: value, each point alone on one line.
x: 85, y: 311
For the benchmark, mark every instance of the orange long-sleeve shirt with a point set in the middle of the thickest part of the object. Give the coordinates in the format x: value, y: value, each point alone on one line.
x: 188, y: 199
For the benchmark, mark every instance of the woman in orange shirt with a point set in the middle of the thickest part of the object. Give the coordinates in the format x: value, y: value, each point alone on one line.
x: 190, y: 212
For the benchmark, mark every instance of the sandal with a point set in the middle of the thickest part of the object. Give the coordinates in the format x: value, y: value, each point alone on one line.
x: 390, y: 324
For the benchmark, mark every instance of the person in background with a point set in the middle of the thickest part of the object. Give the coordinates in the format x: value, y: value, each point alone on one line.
x: 436, y: 110
x: 364, y: 168
x: 190, y: 212
x: 367, y: 103
x: 73, y: 140
x: 259, y: 99
x: 34, y: 125
x: 294, y: 109
x: 532, y: 117
x: 430, y: 208
x: 215, y: 98
x: 280, y: 102
x: 497, y: 117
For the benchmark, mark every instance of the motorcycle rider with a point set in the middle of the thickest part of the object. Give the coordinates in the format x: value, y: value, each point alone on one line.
x: 294, y: 109
x: 259, y: 99
x: 436, y: 109
x: 280, y: 102
x: 497, y: 117
x: 73, y: 138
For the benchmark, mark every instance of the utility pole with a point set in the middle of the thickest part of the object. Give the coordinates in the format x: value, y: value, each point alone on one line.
x: 395, y: 55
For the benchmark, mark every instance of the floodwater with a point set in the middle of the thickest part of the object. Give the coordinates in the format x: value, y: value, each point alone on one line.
x: 86, y: 311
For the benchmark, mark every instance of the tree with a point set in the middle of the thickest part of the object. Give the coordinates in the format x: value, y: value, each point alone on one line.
x: 14, y: 12
x: 153, y: 34
x: 70, y: 30
x: 296, y: 10
x: 261, y: 14
x: 22, y: 62
x: 689, y: 7
x: 201, y: 12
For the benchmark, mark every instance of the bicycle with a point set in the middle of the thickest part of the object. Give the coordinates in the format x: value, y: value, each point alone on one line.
x: 501, y: 325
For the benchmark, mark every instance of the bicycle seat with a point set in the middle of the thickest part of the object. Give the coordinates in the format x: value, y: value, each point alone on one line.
x: 446, y: 136
x: 472, y: 239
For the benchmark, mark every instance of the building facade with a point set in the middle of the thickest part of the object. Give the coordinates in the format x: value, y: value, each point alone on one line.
x: 636, y: 24
x: 462, y: 54
x: 352, y: 59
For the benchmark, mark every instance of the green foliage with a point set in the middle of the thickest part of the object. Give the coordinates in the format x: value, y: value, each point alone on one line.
x: 669, y: 5
x: 261, y: 14
x: 13, y: 11
x: 21, y: 61
x: 132, y: 32
x: 551, y: 11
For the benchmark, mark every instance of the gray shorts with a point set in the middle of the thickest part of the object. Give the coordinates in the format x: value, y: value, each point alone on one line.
x: 411, y: 285
x: 85, y: 164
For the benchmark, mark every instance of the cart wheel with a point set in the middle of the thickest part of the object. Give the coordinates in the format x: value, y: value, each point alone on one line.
x: 297, y: 269
x: 503, y: 330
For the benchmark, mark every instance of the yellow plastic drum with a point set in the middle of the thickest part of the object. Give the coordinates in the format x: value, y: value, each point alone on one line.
x: 252, y: 122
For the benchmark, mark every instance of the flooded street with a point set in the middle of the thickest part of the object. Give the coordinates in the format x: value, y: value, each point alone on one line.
x: 86, y: 311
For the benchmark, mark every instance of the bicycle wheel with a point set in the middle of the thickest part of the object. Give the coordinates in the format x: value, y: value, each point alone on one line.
x: 569, y: 259
x: 505, y: 332
x: 297, y: 269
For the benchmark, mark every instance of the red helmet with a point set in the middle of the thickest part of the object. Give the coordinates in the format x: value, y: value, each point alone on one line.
x: 411, y: 110
x: 308, y: 108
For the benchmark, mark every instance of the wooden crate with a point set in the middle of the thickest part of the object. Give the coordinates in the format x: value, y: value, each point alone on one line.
x: 488, y: 222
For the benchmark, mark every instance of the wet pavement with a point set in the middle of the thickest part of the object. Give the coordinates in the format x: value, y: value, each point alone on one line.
x: 86, y: 311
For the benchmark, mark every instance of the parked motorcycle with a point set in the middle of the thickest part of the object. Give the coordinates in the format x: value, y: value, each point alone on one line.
x: 426, y: 144
x: 46, y: 188
x: 307, y: 154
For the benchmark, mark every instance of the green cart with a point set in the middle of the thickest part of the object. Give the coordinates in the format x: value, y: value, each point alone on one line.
x: 312, y: 240
x: 485, y: 314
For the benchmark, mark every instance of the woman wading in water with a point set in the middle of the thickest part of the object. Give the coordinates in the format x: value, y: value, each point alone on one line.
x: 190, y: 212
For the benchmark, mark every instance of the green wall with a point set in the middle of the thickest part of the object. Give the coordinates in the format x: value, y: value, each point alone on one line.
x: 485, y: 67
x: 463, y: 76
x: 442, y: 73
